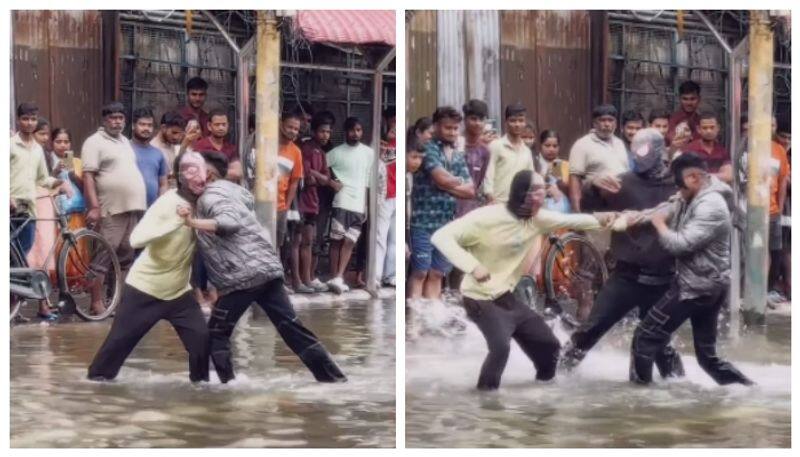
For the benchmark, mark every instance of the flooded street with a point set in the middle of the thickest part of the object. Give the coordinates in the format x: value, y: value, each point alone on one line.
x: 595, y: 406
x: 274, y: 402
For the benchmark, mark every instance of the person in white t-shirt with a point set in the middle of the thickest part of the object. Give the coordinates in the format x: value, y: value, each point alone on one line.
x: 351, y: 163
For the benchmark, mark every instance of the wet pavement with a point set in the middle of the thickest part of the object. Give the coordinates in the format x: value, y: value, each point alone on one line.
x: 274, y: 402
x: 595, y: 406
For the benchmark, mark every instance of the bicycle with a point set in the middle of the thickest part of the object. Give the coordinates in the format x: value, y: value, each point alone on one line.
x: 74, y: 252
x: 574, y: 272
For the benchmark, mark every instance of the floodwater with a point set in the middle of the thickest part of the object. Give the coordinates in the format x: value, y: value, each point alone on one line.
x: 274, y: 402
x: 595, y: 406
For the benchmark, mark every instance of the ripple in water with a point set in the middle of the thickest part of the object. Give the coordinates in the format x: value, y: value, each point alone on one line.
x: 595, y: 406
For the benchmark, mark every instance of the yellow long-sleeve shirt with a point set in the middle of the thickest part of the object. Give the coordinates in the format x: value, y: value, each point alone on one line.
x: 493, y: 237
x: 163, y: 268
x: 505, y: 160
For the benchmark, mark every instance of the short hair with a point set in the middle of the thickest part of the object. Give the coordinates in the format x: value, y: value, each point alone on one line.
x: 705, y: 115
x: 632, y: 116
x: 217, y: 112
x: 292, y: 114
x: 530, y: 126
x: 350, y: 123
x: 27, y: 109
x: 446, y: 112
x: 684, y: 161
x: 547, y: 134
x: 658, y: 113
x: 515, y: 109
x: 689, y: 87
x: 173, y: 119
x: 217, y: 160
x: 196, y: 83
x: 475, y: 108
x: 41, y: 123
x: 58, y: 131
x: 604, y: 110
x: 142, y: 113
x: 113, y: 108
x: 322, y: 118
x: 416, y: 148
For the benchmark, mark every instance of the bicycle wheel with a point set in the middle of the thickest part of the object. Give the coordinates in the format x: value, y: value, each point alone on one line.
x: 76, y: 279
x: 574, y: 273
x: 15, y: 302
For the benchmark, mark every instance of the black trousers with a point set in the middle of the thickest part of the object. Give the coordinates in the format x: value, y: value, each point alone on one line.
x: 272, y: 298
x: 619, y: 295
x: 666, y: 316
x: 137, y: 313
x: 505, y: 318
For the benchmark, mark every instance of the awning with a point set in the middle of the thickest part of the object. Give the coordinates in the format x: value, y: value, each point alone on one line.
x: 347, y: 27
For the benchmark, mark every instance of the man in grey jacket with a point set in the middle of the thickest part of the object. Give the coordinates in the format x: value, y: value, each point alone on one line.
x: 243, y: 266
x: 698, y: 235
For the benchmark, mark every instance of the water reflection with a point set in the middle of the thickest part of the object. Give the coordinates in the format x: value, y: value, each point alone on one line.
x: 273, y: 402
x: 595, y: 406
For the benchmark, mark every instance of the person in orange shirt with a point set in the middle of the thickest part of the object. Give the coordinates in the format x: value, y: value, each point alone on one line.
x: 778, y: 185
x: 290, y: 168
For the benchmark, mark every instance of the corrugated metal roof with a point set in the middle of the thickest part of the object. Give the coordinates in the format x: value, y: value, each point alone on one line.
x: 452, y: 79
x: 482, y: 40
x: 347, y: 27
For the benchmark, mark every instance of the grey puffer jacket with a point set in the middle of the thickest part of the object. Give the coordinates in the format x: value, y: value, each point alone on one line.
x: 239, y: 255
x: 699, y: 238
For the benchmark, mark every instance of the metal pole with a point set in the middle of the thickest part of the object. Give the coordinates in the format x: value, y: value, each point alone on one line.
x: 735, y: 69
x: 377, y: 102
x: 758, y: 147
x: 267, y: 99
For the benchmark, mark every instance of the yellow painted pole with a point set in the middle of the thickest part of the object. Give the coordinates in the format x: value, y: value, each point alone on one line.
x: 267, y: 118
x: 759, y: 147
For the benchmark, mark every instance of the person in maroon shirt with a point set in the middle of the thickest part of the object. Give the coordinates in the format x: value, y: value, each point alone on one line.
x: 476, y: 154
x: 196, y: 93
x: 707, y: 146
x: 218, y: 130
x: 689, y: 93
x: 315, y: 176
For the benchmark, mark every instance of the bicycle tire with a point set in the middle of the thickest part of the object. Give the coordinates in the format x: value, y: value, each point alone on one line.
x: 575, y: 241
x: 65, y: 260
x: 15, y: 301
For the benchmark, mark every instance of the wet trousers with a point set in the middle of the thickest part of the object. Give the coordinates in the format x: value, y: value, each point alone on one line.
x: 505, y: 318
x: 272, y: 298
x: 137, y: 313
x: 665, y: 317
x: 619, y: 295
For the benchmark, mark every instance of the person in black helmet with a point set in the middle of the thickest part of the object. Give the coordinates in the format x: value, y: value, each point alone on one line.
x: 643, y: 268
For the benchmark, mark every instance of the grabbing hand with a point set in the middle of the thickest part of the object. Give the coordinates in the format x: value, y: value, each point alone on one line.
x: 184, y: 211
x: 606, y: 218
x: 66, y: 189
x: 481, y: 274
x: 659, y: 218
x: 608, y: 183
x: 554, y: 193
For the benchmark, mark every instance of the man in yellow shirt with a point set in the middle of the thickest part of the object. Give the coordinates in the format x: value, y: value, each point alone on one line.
x: 157, y: 286
x: 507, y: 155
x: 492, y: 243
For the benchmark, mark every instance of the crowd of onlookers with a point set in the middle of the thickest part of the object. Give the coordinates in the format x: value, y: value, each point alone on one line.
x: 322, y: 188
x: 456, y: 162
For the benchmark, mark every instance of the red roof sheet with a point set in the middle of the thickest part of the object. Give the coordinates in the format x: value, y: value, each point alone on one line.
x: 347, y: 27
